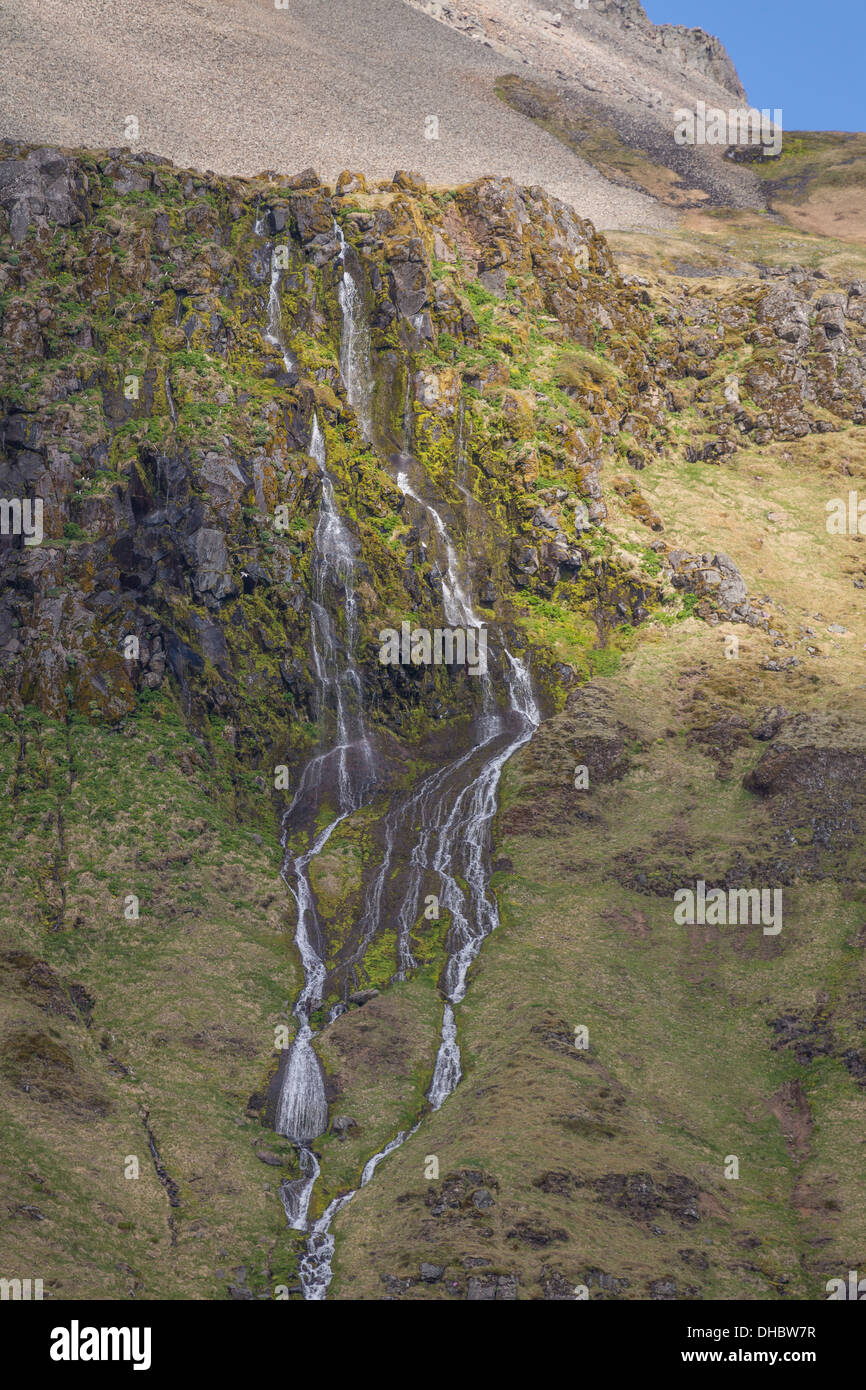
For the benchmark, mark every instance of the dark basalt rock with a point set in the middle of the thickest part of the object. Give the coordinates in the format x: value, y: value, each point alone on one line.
x: 536, y: 1234
x: 215, y: 432
x: 769, y: 724
x: 41, y: 188
x: 490, y: 1288
x: 641, y: 1196
x: 363, y: 996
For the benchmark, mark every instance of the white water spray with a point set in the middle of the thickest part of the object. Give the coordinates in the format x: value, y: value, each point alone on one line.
x: 347, y: 765
x: 460, y: 859
x: 354, y: 343
x: 274, y: 330
x: 452, y: 820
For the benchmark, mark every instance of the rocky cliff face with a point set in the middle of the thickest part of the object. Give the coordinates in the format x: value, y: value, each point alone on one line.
x: 169, y: 441
x: 688, y: 47
x: 599, y: 444
x: 164, y: 433
x: 606, y: 82
x: 570, y: 41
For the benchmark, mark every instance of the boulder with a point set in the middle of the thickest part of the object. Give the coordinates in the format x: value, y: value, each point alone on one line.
x: 712, y: 577
x: 363, y: 996
x: 785, y: 313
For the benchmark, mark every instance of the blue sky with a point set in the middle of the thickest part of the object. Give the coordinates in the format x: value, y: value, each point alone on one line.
x: 809, y: 58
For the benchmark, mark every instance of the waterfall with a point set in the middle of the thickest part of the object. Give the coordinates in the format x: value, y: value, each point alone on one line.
x: 354, y: 342
x: 448, y: 815
x: 407, y: 411
x: 169, y: 396
x: 338, y: 681
x: 433, y: 789
x: 402, y: 814
x: 347, y: 763
x: 462, y: 459
x: 296, y: 1195
x: 453, y: 841
x: 461, y: 853
x: 315, y: 1267
x: 274, y: 330
x: 455, y: 601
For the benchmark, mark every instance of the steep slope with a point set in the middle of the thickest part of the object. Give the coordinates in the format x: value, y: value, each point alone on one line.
x: 609, y: 46
x: 131, y: 1045
x: 239, y: 86
x: 561, y: 1172
x: 606, y: 81
x: 269, y: 419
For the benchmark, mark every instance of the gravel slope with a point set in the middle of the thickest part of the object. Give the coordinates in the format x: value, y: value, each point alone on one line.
x: 237, y: 86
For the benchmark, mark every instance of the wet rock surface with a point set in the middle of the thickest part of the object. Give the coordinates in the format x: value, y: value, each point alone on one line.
x: 163, y: 513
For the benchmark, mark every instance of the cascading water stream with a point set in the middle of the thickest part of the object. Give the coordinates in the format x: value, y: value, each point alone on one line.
x: 169, y: 396
x: 347, y: 764
x: 461, y: 853
x: 315, y: 1267
x: 458, y: 612
x: 274, y: 330
x: 354, y: 342
x: 460, y: 837
x: 452, y: 842
x: 462, y: 459
x: 452, y: 820
x: 455, y: 601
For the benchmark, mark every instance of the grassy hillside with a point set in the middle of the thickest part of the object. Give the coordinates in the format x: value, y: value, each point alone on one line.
x: 704, y: 1042
x: 634, y: 445
x: 171, y: 1035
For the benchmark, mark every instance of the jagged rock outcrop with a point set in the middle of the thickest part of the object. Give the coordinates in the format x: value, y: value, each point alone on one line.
x: 689, y: 47
x: 713, y: 577
x: 162, y: 434
x: 508, y: 25
x: 607, y: 83
x: 44, y: 187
